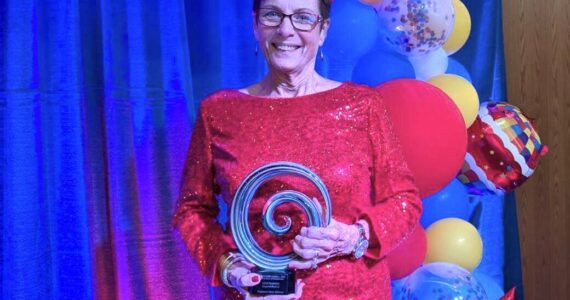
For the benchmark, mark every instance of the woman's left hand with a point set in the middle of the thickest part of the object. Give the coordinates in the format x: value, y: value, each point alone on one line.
x: 317, y: 244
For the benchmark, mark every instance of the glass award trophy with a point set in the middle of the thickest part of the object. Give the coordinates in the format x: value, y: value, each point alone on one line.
x: 277, y: 278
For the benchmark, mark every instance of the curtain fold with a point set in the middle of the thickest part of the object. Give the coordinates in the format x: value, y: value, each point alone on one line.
x: 97, y: 108
x: 97, y: 103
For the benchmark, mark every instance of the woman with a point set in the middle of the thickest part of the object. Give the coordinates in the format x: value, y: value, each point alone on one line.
x: 338, y: 130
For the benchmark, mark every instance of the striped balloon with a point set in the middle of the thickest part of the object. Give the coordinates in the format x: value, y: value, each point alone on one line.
x: 503, y: 148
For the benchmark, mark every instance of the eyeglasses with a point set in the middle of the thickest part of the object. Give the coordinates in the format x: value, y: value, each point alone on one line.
x: 302, y: 21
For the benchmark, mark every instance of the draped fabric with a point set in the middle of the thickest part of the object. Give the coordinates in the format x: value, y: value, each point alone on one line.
x: 96, y: 107
x: 97, y: 102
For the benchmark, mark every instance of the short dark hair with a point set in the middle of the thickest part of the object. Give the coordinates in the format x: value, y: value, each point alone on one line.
x: 325, y: 7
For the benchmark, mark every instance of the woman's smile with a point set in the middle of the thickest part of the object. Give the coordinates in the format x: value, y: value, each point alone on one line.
x: 285, y: 47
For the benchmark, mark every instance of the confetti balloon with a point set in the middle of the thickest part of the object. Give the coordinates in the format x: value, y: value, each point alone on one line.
x: 415, y: 27
x: 442, y: 281
x: 503, y: 148
x: 491, y: 286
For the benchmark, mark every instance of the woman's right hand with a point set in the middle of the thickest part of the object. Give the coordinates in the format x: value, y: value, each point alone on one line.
x: 241, y: 278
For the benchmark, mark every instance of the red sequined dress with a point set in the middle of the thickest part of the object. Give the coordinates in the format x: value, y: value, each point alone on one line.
x: 344, y: 136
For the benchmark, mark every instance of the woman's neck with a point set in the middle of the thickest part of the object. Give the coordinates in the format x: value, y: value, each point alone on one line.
x: 277, y: 84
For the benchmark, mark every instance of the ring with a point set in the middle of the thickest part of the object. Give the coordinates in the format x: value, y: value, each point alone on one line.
x: 315, y: 263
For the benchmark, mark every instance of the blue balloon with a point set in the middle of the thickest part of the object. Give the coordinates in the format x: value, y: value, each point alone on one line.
x: 456, y: 68
x: 353, y: 32
x: 442, y: 281
x: 492, y: 288
x: 380, y: 66
x: 397, y: 287
x: 450, y: 202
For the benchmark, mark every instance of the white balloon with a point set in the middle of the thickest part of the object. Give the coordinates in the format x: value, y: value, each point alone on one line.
x: 429, y: 65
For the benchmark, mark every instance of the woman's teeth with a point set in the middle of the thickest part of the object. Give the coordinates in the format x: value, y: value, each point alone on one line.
x: 284, y: 47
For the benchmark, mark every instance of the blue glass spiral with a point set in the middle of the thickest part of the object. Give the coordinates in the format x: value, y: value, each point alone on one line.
x: 240, y: 212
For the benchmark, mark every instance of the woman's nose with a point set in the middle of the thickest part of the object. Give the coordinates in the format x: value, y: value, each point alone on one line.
x: 286, y: 27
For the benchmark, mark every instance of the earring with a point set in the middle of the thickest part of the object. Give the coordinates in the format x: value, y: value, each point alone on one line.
x: 256, y: 50
x: 322, y: 56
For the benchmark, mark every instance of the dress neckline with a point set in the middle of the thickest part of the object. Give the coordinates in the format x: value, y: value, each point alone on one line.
x: 339, y: 87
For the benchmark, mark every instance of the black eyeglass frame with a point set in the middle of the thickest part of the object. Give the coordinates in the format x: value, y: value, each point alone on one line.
x: 283, y: 16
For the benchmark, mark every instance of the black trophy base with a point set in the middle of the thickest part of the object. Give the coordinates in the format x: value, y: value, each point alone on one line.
x: 274, y: 283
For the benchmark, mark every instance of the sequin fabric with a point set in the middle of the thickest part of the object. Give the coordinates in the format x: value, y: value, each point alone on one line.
x: 344, y: 136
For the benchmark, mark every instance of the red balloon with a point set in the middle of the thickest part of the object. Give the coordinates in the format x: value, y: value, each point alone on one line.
x: 510, y: 295
x: 503, y: 149
x: 431, y: 131
x: 409, y: 255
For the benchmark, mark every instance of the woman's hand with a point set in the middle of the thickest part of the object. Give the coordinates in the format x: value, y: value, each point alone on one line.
x: 241, y: 278
x: 317, y: 244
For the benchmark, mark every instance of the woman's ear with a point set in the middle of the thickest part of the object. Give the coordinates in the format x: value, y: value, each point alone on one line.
x: 324, y: 31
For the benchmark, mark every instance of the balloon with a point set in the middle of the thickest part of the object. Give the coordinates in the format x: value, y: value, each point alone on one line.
x: 353, y: 33
x: 381, y: 66
x: 503, y: 148
x: 510, y: 295
x: 451, y: 201
x: 372, y: 2
x: 430, y: 129
x: 415, y: 27
x: 442, y: 281
x: 455, y: 241
x: 409, y: 255
x: 461, y: 28
x: 456, y: 68
x: 397, y: 287
x: 492, y: 288
x: 430, y: 64
x: 462, y: 92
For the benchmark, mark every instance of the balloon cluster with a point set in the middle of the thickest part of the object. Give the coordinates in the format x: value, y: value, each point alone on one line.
x: 444, y: 131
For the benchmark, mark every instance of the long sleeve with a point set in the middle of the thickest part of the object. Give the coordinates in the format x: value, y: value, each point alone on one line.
x: 197, y: 209
x: 396, y: 206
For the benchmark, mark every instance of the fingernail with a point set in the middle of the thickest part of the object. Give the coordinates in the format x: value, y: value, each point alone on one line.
x: 255, y: 278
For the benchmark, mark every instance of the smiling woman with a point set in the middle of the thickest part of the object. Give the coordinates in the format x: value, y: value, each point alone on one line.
x: 340, y: 131
x: 289, y: 33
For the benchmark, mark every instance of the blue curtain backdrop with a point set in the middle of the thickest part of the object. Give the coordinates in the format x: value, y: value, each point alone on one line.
x: 97, y: 102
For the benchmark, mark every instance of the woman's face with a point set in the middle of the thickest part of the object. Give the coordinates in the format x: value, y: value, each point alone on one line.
x: 287, y: 49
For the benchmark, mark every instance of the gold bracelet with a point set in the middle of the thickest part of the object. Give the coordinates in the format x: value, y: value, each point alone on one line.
x: 226, y: 261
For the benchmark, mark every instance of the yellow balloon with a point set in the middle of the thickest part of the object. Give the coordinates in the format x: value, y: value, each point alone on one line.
x: 461, y: 92
x: 461, y: 28
x: 455, y: 241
